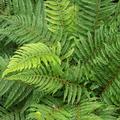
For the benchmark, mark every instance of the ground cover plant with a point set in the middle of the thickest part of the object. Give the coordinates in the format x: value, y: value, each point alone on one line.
x: 59, y: 60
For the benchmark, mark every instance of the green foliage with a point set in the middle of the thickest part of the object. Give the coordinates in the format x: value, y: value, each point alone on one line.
x: 52, y: 109
x: 59, y: 60
x: 31, y: 56
x: 10, y: 115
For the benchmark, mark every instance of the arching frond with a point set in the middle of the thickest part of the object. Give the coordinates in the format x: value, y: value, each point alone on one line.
x: 31, y: 56
x: 46, y: 81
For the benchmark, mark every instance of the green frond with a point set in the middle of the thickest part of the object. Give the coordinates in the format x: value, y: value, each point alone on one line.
x: 97, y: 56
x: 92, y: 52
x: 60, y: 49
x: 31, y: 56
x: 20, y: 31
x: 47, y: 82
x: 50, y: 110
x: 59, y: 15
x: 84, y: 15
x: 64, y: 42
x: 13, y: 93
x: 59, y: 59
x: 8, y: 115
x: 16, y: 6
x: 111, y: 82
x: 73, y: 93
x: 42, y: 82
x: 3, y: 63
x: 27, y: 26
x: 93, y: 13
x: 17, y: 94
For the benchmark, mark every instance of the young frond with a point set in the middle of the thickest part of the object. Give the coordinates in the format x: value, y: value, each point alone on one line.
x: 31, y: 56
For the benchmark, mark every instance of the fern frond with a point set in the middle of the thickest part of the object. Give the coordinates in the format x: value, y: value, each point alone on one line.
x: 84, y: 15
x: 93, y: 13
x: 68, y: 63
x: 17, y: 7
x: 13, y: 93
x: 28, y: 26
x: 57, y: 15
x: 21, y: 31
x: 10, y: 115
x: 86, y: 110
x: 31, y: 56
x: 97, y: 55
x: 58, y: 49
x: 50, y: 84
x: 43, y: 82
x: 92, y: 51
x: 110, y: 77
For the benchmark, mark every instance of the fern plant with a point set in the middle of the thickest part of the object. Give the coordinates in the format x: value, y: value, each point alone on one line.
x: 59, y: 60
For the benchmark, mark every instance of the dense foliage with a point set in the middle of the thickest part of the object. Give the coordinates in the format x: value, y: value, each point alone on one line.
x: 59, y: 60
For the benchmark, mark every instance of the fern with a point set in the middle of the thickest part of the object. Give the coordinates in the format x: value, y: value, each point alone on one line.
x: 51, y: 81
x: 31, y: 56
x: 8, y: 115
x: 59, y: 60
x: 54, y: 110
